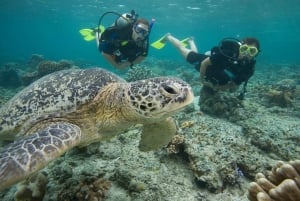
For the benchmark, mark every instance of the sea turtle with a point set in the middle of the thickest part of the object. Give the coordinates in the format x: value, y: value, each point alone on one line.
x: 77, y: 107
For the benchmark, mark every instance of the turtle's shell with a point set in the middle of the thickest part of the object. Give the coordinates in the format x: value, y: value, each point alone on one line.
x: 53, y: 95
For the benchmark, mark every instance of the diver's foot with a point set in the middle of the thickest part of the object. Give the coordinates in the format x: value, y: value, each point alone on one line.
x: 187, y: 41
x: 191, y: 42
x: 165, y: 38
x: 190, y: 39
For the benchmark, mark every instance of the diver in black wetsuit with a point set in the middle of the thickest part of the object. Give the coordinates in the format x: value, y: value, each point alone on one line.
x: 226, y: 67
x: 126, y: 44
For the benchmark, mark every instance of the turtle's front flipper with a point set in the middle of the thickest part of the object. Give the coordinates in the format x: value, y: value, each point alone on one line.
x: 156, y: 135
x: 28, y: 155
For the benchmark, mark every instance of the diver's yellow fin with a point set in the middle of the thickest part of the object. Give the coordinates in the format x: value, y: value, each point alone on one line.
x: 160, y: 43
x: 89, y: 34
x: 185, y: 42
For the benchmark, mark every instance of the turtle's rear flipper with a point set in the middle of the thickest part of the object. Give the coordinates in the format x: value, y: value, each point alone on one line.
x: 28, y: 155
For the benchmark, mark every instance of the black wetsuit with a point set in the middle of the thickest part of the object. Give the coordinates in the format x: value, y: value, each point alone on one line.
x: 223, y: 69
x: 117, y: 41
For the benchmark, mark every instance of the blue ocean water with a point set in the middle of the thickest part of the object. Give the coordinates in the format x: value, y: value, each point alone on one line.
x: 50, y: 28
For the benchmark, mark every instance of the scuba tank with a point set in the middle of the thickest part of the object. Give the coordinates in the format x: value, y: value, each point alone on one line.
x: 125, y: 19
x: 122, y: 20
x: 229, y: 47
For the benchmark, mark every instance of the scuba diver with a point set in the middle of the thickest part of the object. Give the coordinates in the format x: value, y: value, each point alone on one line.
x: 225, y: 67
x: 125, y: 42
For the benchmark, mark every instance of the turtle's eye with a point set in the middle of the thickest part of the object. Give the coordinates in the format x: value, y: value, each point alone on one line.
x: 169, y: 90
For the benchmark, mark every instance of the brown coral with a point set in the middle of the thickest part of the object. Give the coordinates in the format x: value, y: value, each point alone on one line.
x: 94, y: 191
x: 187, y: 124
x: 32, y: 189
x: 281, y: 184
x: 221, y: 104
x: 282, y: 94
x: 175, y: 145
x: 35, y: 60
x: 44, y: 67
x: 280, y: 98
x: 47, y: 67
x: 87, y: 190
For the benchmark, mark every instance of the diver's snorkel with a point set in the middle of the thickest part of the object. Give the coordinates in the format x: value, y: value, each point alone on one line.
x: 151, y: 25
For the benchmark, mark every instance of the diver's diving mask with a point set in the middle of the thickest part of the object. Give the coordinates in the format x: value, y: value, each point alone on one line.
x: 249, y: 50
x: 141, y: 30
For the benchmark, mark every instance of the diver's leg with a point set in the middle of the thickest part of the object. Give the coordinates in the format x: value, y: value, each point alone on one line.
x: 183, y: 50
x: 192, y: 44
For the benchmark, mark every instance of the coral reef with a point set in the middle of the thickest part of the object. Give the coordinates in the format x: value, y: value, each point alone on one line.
x: 32, y: 189
x: 7, y: 93
x: 14, y: 75
x: 34, y: 60
x: 87, y: 190
x: 216, y: 167
x: 211, y: 158
x: 47, y: 67
x: 220, y: 104
x: 276, y: 136
x: 187, y: 124
x: 176, y: 144
x: 43, y: 68
x: 29, y: 77
x: 282, y: 93
x: 9, y: 76
x: 280, y: 98
x: 280, y: 184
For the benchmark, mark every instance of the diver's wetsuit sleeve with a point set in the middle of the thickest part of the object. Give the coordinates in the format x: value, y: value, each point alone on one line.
x: 245, y: 73
x: 195, y: 59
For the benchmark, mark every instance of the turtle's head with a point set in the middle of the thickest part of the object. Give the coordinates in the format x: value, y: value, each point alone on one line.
x: 159, y: 97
